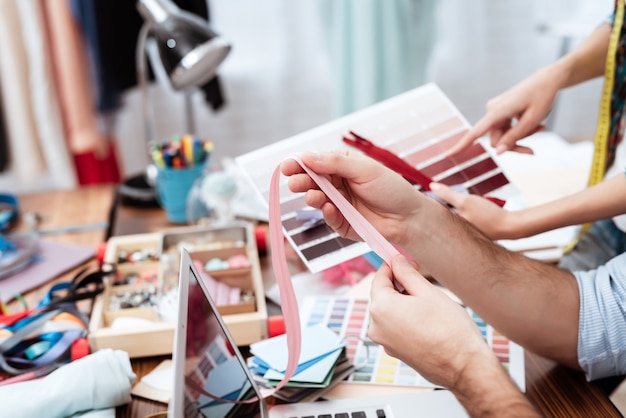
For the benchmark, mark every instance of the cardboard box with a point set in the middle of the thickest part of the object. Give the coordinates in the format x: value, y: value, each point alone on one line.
x: 147, y: 332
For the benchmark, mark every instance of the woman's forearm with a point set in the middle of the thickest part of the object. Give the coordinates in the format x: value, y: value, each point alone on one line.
x: 584, y: 62
x: 602, y: 201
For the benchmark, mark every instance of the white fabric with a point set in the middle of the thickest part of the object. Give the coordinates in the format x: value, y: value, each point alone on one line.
x: 26, y: 158
x: 44, y: 96
x: 98, y: 381
x: 97, y: 413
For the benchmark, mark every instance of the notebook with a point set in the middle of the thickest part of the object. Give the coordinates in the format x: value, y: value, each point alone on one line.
x: 205, y: 356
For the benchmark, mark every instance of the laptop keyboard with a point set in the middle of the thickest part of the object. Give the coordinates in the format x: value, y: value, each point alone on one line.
x: 380, y: 413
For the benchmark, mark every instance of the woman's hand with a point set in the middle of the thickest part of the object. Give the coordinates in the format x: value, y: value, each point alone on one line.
x: 490, y: 218
x: 515, y: 114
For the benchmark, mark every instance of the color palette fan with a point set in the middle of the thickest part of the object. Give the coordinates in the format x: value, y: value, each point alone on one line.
x: 418, y: 126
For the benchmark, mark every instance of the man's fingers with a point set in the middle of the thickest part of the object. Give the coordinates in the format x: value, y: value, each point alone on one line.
x: 382, y: 279
x: 341, y: 163
x: 299, y: 183
x: 403, y: 271
x: 406, y: 274
x: 289, y: 167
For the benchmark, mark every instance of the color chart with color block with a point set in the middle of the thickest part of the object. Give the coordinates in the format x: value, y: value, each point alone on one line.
x: 418, y: 126
x: 349, y: 318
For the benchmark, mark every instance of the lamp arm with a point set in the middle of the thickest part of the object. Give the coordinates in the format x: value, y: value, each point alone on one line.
x: 189, y: 114
x: 141, y: 62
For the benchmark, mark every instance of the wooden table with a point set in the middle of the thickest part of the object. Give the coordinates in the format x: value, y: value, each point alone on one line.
x: 555, y: 390
x: 86, y: 212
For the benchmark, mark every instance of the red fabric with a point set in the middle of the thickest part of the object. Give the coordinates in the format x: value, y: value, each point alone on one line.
x: 80, y: 348
x: 93, y: 169
x: 94, y: 155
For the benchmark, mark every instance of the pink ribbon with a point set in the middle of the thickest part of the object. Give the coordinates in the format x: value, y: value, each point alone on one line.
x: 288, y: 301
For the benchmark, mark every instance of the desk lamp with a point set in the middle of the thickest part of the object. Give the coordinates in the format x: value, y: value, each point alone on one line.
x: 189, y: 52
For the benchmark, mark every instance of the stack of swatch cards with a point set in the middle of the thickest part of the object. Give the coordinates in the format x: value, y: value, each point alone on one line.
x: 348, y: 317
x: 322, y: 364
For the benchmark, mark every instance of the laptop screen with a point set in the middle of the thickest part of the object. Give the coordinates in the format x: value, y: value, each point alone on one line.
x: 205, y: 354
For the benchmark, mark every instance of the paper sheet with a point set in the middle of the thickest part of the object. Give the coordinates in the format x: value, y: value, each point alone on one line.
x: 55, y: 258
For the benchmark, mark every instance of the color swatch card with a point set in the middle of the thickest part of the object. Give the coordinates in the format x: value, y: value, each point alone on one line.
x: 417, y: 126
x: 349, y: 318
x: 317, y: 343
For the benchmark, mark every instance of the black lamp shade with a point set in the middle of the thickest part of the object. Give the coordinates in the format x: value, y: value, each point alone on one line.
x: 189, y: 50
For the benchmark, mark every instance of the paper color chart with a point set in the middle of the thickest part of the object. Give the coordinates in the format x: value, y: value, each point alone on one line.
x: 349, y: 318
x: 418, y: 126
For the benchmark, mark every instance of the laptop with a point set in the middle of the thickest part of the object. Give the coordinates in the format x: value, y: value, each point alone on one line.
x: 211, y: 378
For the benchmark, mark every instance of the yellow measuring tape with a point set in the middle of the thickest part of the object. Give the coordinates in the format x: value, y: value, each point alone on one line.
x: 600, y: 141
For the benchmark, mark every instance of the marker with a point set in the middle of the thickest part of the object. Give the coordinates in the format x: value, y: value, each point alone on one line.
x: 157, y: 158
x: 188, y: 151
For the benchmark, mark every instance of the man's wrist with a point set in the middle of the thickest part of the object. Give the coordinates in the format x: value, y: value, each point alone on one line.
x: 486, y: 390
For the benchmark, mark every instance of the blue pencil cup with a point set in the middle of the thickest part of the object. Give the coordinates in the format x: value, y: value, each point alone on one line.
x: 173, y: 186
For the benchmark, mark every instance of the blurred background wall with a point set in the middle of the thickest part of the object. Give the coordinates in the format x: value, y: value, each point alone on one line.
x: 295, y: 65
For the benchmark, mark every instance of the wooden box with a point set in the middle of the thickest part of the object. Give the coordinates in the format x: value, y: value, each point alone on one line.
x: 149, y: 332
x: 113, y: 293
x: 231, y: 277
x: 206, y: 242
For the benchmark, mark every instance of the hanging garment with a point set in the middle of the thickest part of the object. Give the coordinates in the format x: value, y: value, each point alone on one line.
x: 44, y: 95
x: 21, y: 125
x: 378, y: 48
x: 4, y: 144
x: 71, y: 69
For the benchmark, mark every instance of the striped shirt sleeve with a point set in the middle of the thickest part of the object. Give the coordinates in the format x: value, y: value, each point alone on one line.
x: 602, y: 319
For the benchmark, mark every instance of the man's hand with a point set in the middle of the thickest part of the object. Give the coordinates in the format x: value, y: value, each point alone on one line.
x: 382, y: 196
x: 428, y: 331
x: 424, y: 328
